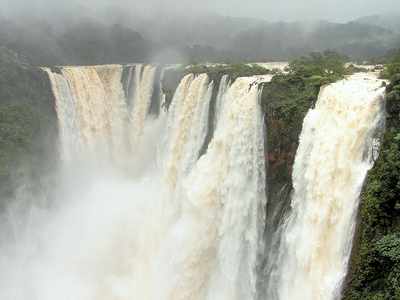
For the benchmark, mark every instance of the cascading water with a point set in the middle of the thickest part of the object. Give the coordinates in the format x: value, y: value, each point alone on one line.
x: 223, y: 87
x: 91, y: 109
x: 187, y: 125
x: 144, y: 211
x: 179, y: 224
x: 334, y: 155
x: 140, y: 101
x: 222, y: 208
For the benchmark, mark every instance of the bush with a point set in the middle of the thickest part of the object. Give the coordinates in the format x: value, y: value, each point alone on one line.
x: 388, y: 247
x: 328, y: 66
x: 392, y: 66
x: 291, y: 95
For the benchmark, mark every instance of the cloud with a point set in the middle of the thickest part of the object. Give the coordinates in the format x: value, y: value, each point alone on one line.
x: 286, y: 10
x: 290, y: 10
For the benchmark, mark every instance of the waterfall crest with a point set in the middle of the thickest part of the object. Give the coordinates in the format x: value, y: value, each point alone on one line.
x: 334, y: 155
x: 98, y: 112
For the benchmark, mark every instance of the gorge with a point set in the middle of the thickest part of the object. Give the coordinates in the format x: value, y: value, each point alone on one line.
x: 167, y: 191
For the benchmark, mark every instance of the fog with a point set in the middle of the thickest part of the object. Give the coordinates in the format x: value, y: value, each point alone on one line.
x: 54, y: 217
x: 297, y: 10
x: 284, y: 10
x: 125, y: 31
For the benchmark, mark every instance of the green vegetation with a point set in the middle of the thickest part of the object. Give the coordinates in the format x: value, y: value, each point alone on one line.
x: 285, y: 101
x: 305, y: 75
x: 393, y: 66
x: 287, y: 98
x: 375, y: 265
x: 27, y: 124
x: 18, y: 126
x: 319, y: 68
x: 28, y: 136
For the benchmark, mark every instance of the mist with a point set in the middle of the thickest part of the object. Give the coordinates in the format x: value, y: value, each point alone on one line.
x: 162, y: 150
x: 286, y: 10
x: 99, y: 31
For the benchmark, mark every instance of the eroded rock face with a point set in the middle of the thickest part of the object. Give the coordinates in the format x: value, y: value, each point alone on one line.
x: 285, y: 102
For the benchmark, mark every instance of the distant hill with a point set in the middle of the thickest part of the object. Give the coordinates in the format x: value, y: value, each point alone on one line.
x: 388, y: 21
x: 287, y: 40
x: 206, y: 38
x: 81, y: 43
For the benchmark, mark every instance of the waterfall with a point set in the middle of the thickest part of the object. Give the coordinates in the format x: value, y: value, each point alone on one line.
x: 237, y: 157
x: 154, y: 216
x: 187, y: 125
x: 223, y: 87
x: 66, y: 114
x: 100, y: 114
x: 170, y: 204
x: 334, y: 155
x: 90, y: 108
x: 140, y: 102
x: 219, y: 231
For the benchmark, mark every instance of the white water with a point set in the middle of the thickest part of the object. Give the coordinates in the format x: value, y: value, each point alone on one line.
x: 145, y: 219
x: 223, y: 87
x: 222, y: 209
x: 96, y: 131
x: 187, y: 126
x: 334, y: 155
x: 140, y: 215
x: 143, y: 90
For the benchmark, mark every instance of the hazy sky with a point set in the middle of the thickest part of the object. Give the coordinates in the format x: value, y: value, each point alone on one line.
x: 338, y: 10
x: 273, y: 10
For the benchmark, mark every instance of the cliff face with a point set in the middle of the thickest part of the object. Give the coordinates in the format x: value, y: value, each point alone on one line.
x: 285, y: 101
x: 28, y: 129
